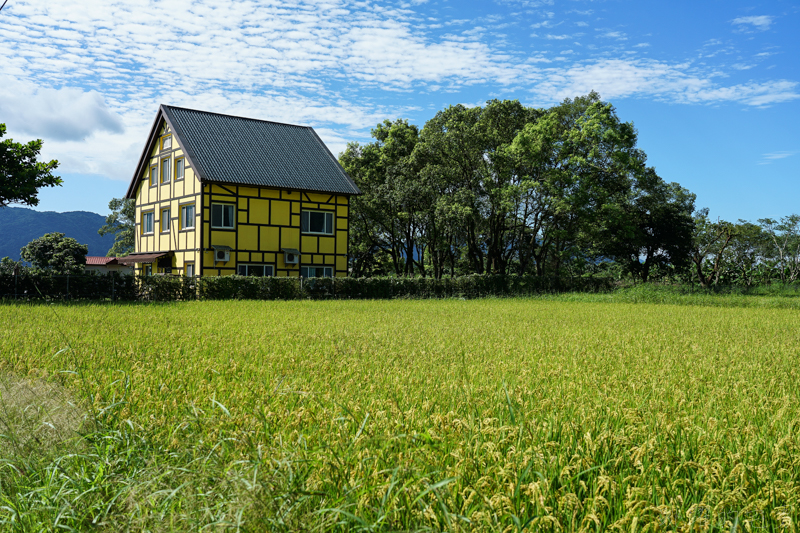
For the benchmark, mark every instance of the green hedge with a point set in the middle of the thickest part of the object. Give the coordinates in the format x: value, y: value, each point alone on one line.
x: 28, y: 286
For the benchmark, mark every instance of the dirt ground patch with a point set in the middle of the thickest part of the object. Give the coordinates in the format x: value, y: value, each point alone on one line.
x: 36, y: 415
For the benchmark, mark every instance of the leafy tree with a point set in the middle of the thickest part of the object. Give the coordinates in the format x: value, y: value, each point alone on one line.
x: 21, y: 175
x: 476, y: 182
x: 122, y: 224
x: 9, y: 267
x: 653, y: 229
x: 55, y: 253
x: 747, y: 258
x: 785, y: 237
x: 582, y: 162
x: 709, y: 243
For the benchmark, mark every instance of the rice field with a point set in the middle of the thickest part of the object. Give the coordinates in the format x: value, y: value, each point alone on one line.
x: 449, y: 415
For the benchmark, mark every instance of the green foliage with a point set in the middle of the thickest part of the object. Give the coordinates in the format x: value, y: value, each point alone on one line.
x: 21, y: 175
x: 36, y: 285
x: 506, y: 189
x: 56, y: 254
x: 483, y: 416
x: 122, y: 224
x: 652, y: 230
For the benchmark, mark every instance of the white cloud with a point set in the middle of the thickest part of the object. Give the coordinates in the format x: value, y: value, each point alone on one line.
x: 774, y: 156
x: 65, y: 114
x: 760, y: 22
x: 614, y: 78
x: 614, y: 35
x: 75, y: 72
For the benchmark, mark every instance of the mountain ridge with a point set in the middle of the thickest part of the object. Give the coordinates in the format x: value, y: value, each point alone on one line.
x: 20, y: 225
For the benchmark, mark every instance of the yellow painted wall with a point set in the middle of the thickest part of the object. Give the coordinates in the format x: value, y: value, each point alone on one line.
x: 183, y: 243
x: 266, y: 220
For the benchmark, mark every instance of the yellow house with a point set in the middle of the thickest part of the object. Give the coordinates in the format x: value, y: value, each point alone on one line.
x: 219, y: 195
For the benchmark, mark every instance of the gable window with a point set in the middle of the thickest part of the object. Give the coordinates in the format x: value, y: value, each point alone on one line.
x: 166, y: 142
x: 165, y: 170
x: 187, y: 216
x: 179, y: 169
x: 147, y: 222
x: 153, y: 176
x: 316, y: 272
x: 319, y: 222
x: 165, y: 221
x: 222, y: 216
x: 255, y: 270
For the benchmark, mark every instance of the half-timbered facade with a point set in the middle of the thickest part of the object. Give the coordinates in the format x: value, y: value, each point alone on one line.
x: 219, y: 195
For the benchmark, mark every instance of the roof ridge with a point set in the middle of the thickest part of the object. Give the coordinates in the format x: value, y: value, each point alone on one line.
x: 235, y: 116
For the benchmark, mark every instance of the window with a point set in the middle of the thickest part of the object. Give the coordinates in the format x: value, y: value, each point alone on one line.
x: 320, y: 222
x: 147, y: 270
x: 221, y: 215
x: 147, y: 222
x: 187, y: 216
x: 153, y: 176
x: 179, y: 169
x: 165, y: 221
x: 255, y: 270
x: 166, y: 142
x: 165, y: 170
x: 189, y: 270
x: 316, y: 272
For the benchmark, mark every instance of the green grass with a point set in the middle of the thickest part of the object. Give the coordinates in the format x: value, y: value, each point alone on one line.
x: 484, y: 415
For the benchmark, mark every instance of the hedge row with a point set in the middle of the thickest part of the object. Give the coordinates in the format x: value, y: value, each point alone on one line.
x: 171, y: 288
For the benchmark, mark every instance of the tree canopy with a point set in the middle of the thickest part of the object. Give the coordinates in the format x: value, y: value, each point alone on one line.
x: 506, y: 188
x: 21, y: 175
x: 122, y: 224
x: 56, y: 254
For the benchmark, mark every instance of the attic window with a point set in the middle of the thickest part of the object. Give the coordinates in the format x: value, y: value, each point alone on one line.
x: 166, y: 142
x: 179, y: 169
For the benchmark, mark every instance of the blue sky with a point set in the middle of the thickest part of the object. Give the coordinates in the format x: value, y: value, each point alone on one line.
x: 713, y: 87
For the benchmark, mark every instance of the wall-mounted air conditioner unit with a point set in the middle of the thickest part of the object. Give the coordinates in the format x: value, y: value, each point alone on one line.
x: 291, y: 256
x: 222, y: 254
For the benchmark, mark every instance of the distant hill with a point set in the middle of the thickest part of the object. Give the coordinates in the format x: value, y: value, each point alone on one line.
x: 19, y: 226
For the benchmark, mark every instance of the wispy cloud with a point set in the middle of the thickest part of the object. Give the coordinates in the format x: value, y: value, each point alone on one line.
x: 81, y: 73
x: 613, y: 35
x: 759, y: 22
x: 679, y: 83
x: 774, y: 156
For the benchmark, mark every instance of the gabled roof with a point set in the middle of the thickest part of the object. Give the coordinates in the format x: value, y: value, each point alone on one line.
x: 246, y: 151
x: 95, y: 260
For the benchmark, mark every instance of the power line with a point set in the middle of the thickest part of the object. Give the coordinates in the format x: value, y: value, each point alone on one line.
x: 4, y: 5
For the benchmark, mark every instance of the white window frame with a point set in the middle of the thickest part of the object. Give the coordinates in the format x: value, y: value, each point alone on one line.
x: 305, y: 222
x: 269, y: 270
x: 148, y: 219
x: 188, y: 269
x: 182, y: 166
x: 165, y: 170
x: 233, y: 215
x: 166, y: 227
x: 166, y: 139
x: 186, y: 220
x: 325, y: 271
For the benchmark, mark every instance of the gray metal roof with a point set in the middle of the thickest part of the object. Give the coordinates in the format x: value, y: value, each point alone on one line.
x: 247, y: 151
